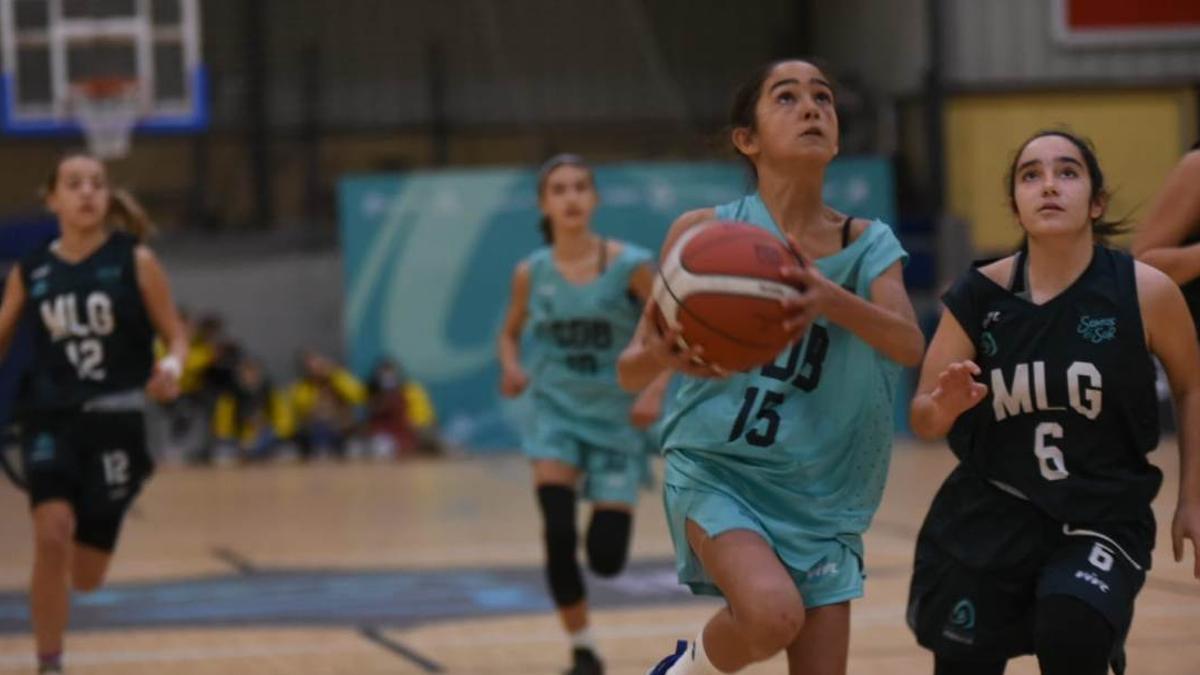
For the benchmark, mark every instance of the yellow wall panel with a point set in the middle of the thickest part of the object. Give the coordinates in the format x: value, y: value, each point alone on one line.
x: 1139, y: 135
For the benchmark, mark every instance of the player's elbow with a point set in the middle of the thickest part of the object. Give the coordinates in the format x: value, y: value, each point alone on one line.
x: 921, y: 422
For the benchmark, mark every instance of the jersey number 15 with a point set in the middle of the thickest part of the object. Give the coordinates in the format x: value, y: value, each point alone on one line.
x: 807, y: 379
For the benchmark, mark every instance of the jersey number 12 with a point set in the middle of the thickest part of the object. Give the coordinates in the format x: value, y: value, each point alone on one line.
x: 87, y: 356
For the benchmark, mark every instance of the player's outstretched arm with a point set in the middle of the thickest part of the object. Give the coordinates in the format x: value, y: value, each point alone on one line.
x: 1172, y: 339
x: 887, y: 321
x: 947, y: 387
x: 10, y: 308
x: 650, y: 353
x: 513, y: 379
x: 156, y: 295
x: 1174, y: 215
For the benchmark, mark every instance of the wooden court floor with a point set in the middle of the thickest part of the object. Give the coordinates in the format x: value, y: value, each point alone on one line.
x: 220, y: 549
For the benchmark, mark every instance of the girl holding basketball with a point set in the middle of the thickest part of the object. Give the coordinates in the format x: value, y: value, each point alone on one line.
x: 773, y: 475
x: 582, y: 294
x: 96, y: 296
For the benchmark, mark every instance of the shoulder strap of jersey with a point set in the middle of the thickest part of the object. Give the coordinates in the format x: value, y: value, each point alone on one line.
x: 537, y: 260
x: 1018, y: 283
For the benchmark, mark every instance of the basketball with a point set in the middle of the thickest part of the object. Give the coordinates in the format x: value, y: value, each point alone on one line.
x: 720, y: 285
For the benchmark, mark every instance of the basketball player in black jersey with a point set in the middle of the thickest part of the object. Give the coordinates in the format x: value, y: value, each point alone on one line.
x: 1041, y: 373
x: 95, y: 296
x: 1169, y: 235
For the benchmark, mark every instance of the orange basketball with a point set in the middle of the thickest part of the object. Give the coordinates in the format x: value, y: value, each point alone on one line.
x: 720, y: 284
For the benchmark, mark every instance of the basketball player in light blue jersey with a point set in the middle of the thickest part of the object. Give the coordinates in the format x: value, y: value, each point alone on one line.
x: 773, y: 475
x: 582, y: 297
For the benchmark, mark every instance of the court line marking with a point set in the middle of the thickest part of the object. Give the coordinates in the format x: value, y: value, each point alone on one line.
x: 96, y: 658
x: 860, y: 618
x: 872, y: 617
x: 376, y: 636
x: 237, y: 561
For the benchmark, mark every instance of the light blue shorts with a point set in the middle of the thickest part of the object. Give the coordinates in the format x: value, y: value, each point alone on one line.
x: 608, y: 475
x: 834, y: 575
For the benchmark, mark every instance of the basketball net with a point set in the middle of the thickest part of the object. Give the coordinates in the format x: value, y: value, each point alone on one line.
x: 106, y: 109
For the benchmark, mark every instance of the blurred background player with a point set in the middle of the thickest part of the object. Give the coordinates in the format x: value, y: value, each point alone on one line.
x: 1040, y: 539
x: 581, y: 294
x: 770, y: 514
x: 96, y: 296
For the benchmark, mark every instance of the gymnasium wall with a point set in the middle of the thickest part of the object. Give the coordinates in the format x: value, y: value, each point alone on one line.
x: 532, y: 62
x: 897, y: 30
x: 1017, y: 43
x: 1002, y: 44
x: 428, y: 259
x: 274, y: 303
x: 1139, y: 135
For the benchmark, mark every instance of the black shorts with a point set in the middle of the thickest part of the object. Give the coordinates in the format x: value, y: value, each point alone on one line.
x: 984, y: 558
x: 96, y: 461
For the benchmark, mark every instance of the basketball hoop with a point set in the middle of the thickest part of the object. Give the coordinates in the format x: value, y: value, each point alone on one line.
x: 106, y: 108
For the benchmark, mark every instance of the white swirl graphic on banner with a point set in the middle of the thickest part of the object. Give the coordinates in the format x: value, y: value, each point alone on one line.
x: 440, y: 223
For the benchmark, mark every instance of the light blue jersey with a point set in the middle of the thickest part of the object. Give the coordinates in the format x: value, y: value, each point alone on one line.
x: 576, y: 332
x: 800, y: 447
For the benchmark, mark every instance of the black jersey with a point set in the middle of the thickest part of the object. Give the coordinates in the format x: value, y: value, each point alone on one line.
x: 92, y: 334
x: 1071, y: 409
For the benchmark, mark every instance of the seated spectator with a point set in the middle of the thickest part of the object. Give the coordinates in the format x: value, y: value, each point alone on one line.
x: 327, y: 404
x: 401, y: 416
x: 251, y: 418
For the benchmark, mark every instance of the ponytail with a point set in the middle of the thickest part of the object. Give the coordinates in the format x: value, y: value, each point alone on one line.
x: 547, y: 230
x: 127, y: 215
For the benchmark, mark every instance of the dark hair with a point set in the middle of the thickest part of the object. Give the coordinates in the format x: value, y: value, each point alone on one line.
x: 745, y: 100
x: 1102, y: 229
x: 124, y: 212
x: 547, y: 168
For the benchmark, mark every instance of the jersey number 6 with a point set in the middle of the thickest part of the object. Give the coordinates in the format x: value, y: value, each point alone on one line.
x: 1050, y: 458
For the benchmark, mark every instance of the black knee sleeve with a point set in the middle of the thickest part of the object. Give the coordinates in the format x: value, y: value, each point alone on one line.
x: 562, y: 567
x: 608, y: 541
x: 1071, y: 637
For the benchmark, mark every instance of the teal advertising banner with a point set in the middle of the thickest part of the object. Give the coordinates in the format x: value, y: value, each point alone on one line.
x: 428, y: 259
